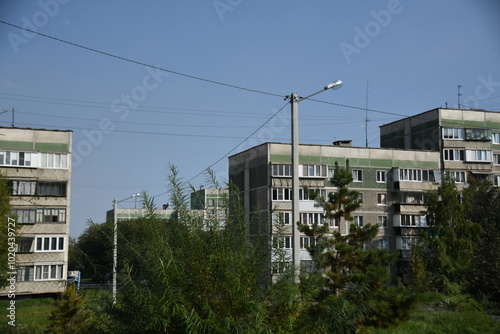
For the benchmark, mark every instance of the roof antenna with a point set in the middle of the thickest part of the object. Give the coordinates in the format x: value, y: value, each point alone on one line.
x: 459, y: 86
x: 366, y: 115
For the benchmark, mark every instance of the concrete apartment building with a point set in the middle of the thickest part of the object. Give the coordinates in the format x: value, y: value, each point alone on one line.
x: 392, y: 180
x: 37, y: 164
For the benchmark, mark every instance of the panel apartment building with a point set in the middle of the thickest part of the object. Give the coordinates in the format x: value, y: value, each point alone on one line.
x: 392, y: 180
x: 37, y: 165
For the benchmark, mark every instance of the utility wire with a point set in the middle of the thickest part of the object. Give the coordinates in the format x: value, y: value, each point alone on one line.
x: 143, y: 64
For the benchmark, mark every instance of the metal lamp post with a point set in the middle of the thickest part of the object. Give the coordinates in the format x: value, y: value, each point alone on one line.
x: 115, y: 241
x: 295, y: 99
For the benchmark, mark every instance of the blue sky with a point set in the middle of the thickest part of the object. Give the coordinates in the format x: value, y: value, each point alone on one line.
x: 130, y: 121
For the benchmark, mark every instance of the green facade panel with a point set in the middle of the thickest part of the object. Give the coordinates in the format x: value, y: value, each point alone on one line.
x: 30, y: 146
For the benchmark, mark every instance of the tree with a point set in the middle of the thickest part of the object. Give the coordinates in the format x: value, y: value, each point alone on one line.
x: 71, y: 315
x: 447, y: 245
x: 349, y: 277
x: 483, y: 207
x: 8, y: 228
x: 201, y: 276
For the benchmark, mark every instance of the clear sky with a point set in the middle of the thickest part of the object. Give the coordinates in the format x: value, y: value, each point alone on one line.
x: 129, y: 122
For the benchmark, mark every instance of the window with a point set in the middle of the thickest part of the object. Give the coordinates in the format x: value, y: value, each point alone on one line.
x: 51, y: 189
x: 49, y: 272
x: 334, y: 222
x: 496, y: 159
x: 418, y: 175
x: 458, y: 176
x: 280, y: 267
x: 495, y: 138
x: 22, y: 188
x: 383, y: 244
x: 381, y: 199
x: 282, y: 194
x: 282, y: 217
x: 361, y: 198
x: 382, y: 221
x: 308, y: 194
x: 359, y: 220
x: 25, y: 216
x: 311, y: 218
x: 496, y: 180
x: 407, y: 242
x: 478, y: 134
x: 51, y: 215
x: 478, y: 156
x: 413, y: 220
x: 381, y: 176
x: 282, y: 170
x: 406, y: 174
x: 25, y: 245
x: 282, y: 242
x: 49, y: 244
x: 25, y: 273
x: 453, y: 155
x: 314, y: 170
x: 306, y: 242
x: 331, y: 172
x: 54, y: 160
x: 453, y: 133
x: 18, y: 159
x: 411, y: 198
x: 357, y: 175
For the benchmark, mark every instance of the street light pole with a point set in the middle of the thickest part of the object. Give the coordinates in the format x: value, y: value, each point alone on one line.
x: 115, y: 241
x: 294, y: 102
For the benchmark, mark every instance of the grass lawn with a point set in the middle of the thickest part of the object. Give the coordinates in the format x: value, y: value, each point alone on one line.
x: 32, y: 315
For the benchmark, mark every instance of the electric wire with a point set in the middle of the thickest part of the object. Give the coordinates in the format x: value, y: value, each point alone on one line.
x: 141, y: 63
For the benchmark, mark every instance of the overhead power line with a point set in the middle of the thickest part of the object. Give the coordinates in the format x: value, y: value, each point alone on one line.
x: 143, y: 64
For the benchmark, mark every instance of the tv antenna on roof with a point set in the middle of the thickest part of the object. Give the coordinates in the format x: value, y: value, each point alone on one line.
x: 458, y: 94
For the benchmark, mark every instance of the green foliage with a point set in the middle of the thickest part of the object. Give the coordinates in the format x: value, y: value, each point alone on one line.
x: 483, y: 204
x: 447, y: 245
x: 192, y: 275
x: 71, y: 315
x: 352, y: 280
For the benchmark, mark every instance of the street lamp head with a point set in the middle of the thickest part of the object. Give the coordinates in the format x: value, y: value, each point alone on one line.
x: 136, y: 195
x: 334, y: 85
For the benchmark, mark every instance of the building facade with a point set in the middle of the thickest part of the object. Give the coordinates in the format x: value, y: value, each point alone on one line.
x: 393, y: 180
x: 37, y: 165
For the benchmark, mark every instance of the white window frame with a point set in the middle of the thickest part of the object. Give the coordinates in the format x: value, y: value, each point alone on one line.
x: 383, y: 243
x: 382, y: 221
x: 496, y: 159
x: 50, y: 243
x: 453, y: 133
x: 281, y: 170
x: 282, y: 217
x: 281, y: 194
x: 357, y: 175
x: 54, y: 160
x: 381, y: 198
x: 310, y: 218
x: 282, y: 242
x: 381, y: 176
x: 495, y: 138
x: 478, y: 156
x: 359, y: 220
x: 453, y: 154
x: 48, y: 272
x: 458, y: 176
